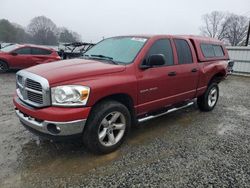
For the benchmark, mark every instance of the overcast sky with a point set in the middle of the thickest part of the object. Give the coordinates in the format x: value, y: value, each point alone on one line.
x: 94, y: 19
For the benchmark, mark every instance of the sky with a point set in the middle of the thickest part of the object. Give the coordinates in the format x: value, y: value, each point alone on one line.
x: 95, y: 19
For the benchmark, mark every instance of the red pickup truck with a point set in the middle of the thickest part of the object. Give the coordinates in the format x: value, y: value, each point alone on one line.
x: 117, y: 83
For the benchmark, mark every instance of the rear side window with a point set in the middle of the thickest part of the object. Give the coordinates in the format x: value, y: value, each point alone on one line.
x: 218, y: 51
x: 23, y: 51
x: 183, y: 51
x: 212, y: 50
x: 38, y: 51
x: 162, y: 46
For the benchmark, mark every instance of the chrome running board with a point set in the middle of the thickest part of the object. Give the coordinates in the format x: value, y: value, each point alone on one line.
x: 164, y: 113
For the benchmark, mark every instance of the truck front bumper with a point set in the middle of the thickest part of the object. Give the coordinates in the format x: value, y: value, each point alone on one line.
x: 51, y: 127
x: 60, y: 122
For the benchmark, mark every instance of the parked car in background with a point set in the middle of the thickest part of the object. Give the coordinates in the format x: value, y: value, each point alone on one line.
x: 118, y: 82
x: 73, y: 50
x: 18, y: 56
x: 4, y: 44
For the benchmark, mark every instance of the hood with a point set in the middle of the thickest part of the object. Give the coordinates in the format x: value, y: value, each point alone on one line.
x: 72, y: 69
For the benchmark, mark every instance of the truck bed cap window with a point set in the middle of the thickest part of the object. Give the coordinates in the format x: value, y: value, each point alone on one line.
x: 212, y: 50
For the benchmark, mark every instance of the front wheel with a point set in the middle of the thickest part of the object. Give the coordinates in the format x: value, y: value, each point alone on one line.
x: 107, y: 127
x: 209, y: 99
x: 3, y: 67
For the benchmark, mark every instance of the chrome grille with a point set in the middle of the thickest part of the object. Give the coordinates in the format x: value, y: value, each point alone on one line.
x: 34, y: 97
x: 33, y: 85
x: 33, y: 89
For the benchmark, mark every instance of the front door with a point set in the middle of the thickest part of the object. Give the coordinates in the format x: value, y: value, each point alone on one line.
x: 22, y: 58
x: 155, y: 84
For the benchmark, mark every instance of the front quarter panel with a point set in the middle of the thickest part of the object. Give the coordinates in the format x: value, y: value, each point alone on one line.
x: 110, y: 84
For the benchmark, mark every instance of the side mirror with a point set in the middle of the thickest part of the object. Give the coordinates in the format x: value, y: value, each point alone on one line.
x: 13, y: 53
x: 156, y: 60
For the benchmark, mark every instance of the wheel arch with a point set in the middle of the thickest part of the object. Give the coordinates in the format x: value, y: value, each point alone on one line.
x: 6, y: 63
x: 124, y: 99
x: 218, y: 77
x: 3, y: 60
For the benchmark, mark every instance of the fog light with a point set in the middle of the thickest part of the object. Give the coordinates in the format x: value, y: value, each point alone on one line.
x: 53, y: 128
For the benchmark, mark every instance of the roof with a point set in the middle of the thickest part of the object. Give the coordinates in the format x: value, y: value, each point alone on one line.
x: 194, y: 37
x: 38, y: 46
x: 197, y: 37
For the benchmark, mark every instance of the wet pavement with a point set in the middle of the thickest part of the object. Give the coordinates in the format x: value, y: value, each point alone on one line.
x: 187, y: 148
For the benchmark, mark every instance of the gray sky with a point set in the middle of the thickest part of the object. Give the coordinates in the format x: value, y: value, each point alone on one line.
x: 94, y: 19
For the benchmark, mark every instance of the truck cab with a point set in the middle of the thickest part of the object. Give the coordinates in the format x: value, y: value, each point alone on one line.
x: 117, y: 83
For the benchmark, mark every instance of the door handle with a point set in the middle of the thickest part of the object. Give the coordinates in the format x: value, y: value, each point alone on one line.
x: 194, y: 70
x: 172, y: 74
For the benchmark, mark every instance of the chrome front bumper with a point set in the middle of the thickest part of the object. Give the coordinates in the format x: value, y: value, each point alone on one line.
x: 53, y: 128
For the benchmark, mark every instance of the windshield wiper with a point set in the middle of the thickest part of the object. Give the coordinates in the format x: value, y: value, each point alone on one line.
x: 105, y: 57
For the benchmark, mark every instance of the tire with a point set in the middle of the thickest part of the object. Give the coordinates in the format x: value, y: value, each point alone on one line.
x: 3, y: 67
x: 103, y: 122
x: 209, y: 99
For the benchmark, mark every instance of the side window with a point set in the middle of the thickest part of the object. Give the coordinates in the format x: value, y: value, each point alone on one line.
x: 38, y: 51
x: 183, y: 51
x: 207, y: 50
x: 210, y: 50
x: 162, y: 46
x: 23, y: 51
x: 218, y: 51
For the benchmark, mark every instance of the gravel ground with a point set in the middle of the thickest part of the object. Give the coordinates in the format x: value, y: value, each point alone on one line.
x: 187, y: 148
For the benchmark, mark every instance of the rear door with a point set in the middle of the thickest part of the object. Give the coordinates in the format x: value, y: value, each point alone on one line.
x: 40, y: 55
x: 187, y: 71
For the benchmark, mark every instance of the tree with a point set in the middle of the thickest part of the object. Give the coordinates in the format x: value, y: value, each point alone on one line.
x: 21, y: 35
x: 236, y: 29
x: 10, y: 32
x: 7, y: 31
x: 43, y: 30
x: 228, y: 27
x: 215, y: 24
x: 68, y: 36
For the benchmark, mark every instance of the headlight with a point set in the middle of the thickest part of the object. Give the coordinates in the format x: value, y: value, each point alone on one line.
x: 70, y: 95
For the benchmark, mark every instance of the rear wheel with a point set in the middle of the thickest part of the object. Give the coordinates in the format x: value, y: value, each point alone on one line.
x: 208, y: 100
x: 107, y: 127
x: 3, y: 67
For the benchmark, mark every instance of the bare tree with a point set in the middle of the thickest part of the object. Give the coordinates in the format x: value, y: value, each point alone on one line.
x: 214, y: 25
x: 236, y: 29
x: 66, y: 35
x: 43, y: 30
x: 230, y: 28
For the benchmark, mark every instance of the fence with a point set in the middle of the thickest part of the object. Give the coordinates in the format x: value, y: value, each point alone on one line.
x: 241, y: 57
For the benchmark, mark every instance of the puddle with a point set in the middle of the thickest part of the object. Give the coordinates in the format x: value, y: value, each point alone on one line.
x: 38, y: 160
x: 43, y: 163
x: 162, y: 126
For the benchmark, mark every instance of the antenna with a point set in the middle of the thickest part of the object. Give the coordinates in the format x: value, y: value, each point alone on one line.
x: 248, y: 33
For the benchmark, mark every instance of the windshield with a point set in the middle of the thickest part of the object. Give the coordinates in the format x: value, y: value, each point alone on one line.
x: 9, y: 48
x: 118, y: 49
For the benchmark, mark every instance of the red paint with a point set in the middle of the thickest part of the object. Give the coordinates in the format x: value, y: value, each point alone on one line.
x: 57, y: 114
x: 21, y: 61
x: 108, y: 79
